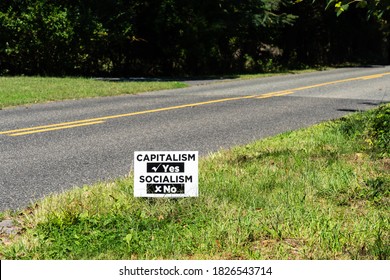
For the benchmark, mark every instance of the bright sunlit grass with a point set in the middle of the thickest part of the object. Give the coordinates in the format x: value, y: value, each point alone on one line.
x: 27, y: 90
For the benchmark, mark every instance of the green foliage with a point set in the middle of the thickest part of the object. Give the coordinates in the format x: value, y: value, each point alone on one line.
x: 61, y: 37
x: 36, y: 36
x: 373, y: 128
x: 168, y: 37
x: 377, y: 8
x: 325, y: 39
x: 378, y: 130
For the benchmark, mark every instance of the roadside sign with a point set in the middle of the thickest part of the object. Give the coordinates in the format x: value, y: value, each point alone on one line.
x: 165, y: 174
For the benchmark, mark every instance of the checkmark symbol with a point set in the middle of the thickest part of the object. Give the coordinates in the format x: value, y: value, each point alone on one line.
x: 156, y: 167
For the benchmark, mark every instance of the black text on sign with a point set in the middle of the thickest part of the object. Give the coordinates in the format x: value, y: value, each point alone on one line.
x: 166, y: 174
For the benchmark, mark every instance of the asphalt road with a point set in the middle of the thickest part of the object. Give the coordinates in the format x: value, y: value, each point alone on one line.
x: 48, y: 148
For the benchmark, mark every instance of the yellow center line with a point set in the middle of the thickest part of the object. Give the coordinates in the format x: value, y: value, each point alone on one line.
x: 54, y: 128
x: 373, y: 77
x: 51, y: 127
x: 342, y: 81
x: 44, y: 126
x: 327, y: 84
x: 175, y: 107
x: 273, y: 94
x: 85, y: 122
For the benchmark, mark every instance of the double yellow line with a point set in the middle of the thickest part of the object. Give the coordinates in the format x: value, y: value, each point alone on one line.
x: 50, y: 127
x: 93, y: 121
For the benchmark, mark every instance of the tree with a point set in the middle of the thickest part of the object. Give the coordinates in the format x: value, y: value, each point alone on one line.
x: 379, y: 9
x: 180, y: 37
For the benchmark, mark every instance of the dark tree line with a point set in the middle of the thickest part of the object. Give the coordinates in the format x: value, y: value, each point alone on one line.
x: 180, y: 37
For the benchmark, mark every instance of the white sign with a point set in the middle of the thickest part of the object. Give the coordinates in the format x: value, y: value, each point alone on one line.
x: 165, y: 174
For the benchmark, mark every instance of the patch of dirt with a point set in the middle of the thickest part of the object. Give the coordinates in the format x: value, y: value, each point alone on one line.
x: 8, y: 229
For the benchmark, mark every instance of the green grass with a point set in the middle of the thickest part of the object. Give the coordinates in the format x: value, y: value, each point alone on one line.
x: 317, y: 193
x: 16, y: 91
